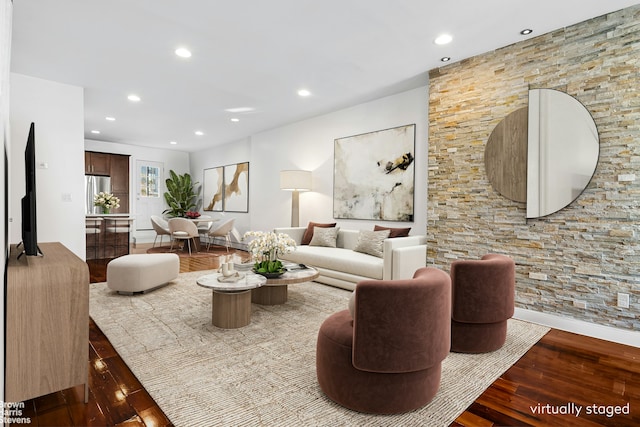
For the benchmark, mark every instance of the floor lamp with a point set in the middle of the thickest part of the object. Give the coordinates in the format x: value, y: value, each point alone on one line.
x: 295, y: 181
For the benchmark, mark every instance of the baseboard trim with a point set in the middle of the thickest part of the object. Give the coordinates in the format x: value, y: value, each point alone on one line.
x: 581, y: 327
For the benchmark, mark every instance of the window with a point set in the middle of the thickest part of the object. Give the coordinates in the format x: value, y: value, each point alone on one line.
x: 149, y: 181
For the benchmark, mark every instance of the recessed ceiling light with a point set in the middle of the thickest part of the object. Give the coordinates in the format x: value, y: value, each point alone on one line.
x: 304, y: 92
x: 526, y: 31
x: 183, y: 52
x: 239, y: 109
x: 199, y: 133
x: 445, y: 59
x: 95, y: 131
x: 173, y: 143
x: 235, y: 119
x: 133, y: 98
x: 443, y: 39
x: 111, y: 119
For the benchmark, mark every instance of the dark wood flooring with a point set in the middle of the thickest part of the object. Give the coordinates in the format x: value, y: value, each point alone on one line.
x: 562, y: 372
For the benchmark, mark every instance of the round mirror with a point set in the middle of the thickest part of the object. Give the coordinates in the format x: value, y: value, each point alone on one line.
x: 544, y: 154
x: 562, y: 154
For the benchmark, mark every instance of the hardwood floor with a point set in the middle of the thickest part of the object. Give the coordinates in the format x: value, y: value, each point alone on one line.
x: 562, y: 371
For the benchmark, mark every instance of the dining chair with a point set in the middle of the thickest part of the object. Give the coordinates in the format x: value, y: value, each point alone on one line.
x: 223, y: 230
x: 204, y: 226
x: 183, y: 229
x: 161, y: 227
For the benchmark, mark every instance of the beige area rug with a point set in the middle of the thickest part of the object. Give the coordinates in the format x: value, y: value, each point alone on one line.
x: 264, y: 374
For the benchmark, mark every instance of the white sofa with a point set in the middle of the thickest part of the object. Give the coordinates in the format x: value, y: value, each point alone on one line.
x: 343, y: 267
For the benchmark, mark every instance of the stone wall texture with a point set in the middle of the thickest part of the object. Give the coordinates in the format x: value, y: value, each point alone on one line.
x: 588, y: 251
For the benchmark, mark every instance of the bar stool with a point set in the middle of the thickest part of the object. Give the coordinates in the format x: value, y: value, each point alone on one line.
x: 118, y: 226
x: 93, y: 227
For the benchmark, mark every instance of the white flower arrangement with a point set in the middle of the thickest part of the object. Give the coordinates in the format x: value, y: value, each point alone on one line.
x: 106, y: 201
x: 265, y: 248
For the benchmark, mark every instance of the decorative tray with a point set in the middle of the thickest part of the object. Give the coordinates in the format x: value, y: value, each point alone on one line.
x: 232, y: 279
x: 294, y: 267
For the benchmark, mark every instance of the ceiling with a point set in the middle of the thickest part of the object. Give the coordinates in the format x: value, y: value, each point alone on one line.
x: 256, y: 54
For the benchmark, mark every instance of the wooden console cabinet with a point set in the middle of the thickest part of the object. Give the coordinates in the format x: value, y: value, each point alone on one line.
x: 47, y: 323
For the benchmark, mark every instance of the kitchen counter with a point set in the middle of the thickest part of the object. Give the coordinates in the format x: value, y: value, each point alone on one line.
x: 108, y: 235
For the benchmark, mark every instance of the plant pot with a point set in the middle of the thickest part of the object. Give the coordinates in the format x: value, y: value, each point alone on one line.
x: 273, y: 275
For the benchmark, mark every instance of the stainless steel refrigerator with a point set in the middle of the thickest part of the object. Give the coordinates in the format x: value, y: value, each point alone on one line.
x: 93, y: 184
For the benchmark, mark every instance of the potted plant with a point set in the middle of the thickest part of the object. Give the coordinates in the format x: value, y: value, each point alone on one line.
x: 106, y: 201
x: 182, y: 194
x: 265, y: 247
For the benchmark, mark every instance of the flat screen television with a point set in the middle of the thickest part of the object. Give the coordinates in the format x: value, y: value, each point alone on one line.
x: 29, y: 223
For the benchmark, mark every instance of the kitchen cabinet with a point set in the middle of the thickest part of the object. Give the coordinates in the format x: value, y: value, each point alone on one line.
x: 115, y: 166
x: 97, y: 163
x: 119, y: 173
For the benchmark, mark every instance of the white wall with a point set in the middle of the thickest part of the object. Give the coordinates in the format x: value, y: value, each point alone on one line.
x: 235, y: 152
x: 57, y: 111
x: 308, y: 145
x: 5, y: 54
x: 171, y: 159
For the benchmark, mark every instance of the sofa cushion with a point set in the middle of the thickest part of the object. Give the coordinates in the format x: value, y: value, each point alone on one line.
x: 371, y: 242
x: 324, y: 237
x: 338, y: 259
x: 394, y: 232
x: 308, y: 234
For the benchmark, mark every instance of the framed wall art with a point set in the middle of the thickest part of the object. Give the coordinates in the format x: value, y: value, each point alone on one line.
x: 236, y: 187
x: 213, y: 189
x: 374, y: 175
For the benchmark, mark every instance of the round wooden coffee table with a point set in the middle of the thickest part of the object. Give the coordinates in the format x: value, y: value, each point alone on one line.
x: 276, y: 291
x: 231, y: 301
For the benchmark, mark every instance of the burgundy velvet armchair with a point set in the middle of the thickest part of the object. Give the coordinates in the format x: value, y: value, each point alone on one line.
x: 387, y: 358
x: 483, y: 293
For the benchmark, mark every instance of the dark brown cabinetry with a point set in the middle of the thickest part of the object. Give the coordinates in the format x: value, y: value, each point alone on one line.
x: 119, y: 174
x: 97, y: 163
x: 115, y: 166
x: 101, y: 245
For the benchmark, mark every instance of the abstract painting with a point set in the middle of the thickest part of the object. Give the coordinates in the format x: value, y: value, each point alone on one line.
x: 373, y: 175
x: 236, y: 187
x: 213, y: 189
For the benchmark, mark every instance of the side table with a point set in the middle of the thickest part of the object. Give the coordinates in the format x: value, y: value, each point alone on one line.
x: 231, y: 301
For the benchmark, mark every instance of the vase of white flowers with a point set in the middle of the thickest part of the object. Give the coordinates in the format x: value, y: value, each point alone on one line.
x: 265, y: 248
x: 106, y: 201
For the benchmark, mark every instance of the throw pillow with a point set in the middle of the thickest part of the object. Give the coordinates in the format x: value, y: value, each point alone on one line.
x: 308, y: 234
x: 372, y: 242
x: 324, y: 237
x: 394, y: 232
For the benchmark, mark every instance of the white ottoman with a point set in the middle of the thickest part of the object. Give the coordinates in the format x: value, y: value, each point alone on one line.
x: 141, y: 272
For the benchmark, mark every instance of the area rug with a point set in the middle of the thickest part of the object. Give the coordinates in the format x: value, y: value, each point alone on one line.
x: 264, y: 374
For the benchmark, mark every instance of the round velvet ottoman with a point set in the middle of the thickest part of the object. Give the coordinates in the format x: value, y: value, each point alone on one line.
x: 141, y: 272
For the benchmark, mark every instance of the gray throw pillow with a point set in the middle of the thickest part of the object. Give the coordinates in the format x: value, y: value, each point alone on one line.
x: 324, y: 237
x: 372, y: 242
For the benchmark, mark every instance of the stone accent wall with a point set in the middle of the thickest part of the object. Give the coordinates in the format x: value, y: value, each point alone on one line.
x: 590, y: 250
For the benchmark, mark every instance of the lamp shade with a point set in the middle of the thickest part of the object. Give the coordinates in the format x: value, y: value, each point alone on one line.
x: 295, y: 180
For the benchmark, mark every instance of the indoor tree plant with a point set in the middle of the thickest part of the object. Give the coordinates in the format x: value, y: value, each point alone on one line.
x: 182, y: 194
